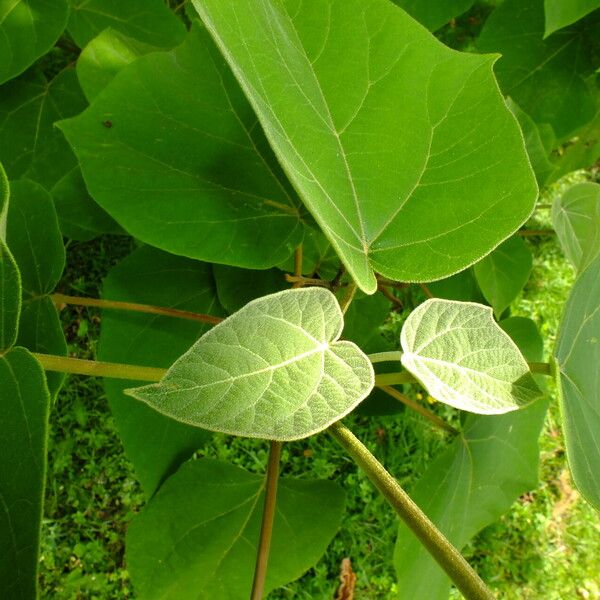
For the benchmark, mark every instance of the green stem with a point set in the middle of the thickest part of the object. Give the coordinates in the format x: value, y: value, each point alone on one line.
x: 394, y: 378
x: 134, y: 306
x: 447, y: 556
x: 348, y: 297
x: 78, y: 366
x: 266, y: 529
x: 392, y: 356
x: 433, y: 418
x: 534, y: 232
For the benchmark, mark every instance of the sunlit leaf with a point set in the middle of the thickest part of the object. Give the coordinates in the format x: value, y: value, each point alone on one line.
x: 464, y: 359
x: 273, y: 370
x: 402, y: 149
x: 197, y: 538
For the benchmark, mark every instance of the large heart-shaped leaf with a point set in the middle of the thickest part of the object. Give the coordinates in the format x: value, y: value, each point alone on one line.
x: 560, y: 13
x: 154, y: 277
x: 149, y: 21
x: 576, y: 220
x: 578, y: 358
x: 224, y: 199
x: 24, y: 410
x: 464, y: 359
x: 273, y: 370
x: 28, y: 29
x: 197, y: 538
x: 402, y: 149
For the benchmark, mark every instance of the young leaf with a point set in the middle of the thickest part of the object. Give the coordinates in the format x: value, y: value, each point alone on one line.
x: 24, y: 417
x: 503, y: 273
x: 577, y: 357
x: 468, y: 487
x: 197, y: 537
x: 149, y: 21
x: 273, y: 370
x: 222, y: 200
x: 546, y: 77
x: 29, y: 106
x: 560, y: 13
x: 402, y: 149
x: 464, y: 359
x: 576, y: 220
x: 28, y: 29
x: 153, y: 277
x: 434, y: 13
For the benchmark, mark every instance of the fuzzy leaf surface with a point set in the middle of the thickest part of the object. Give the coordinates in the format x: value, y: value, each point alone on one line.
x: 222, y: 200
x: 576, y: 220
x: 402, y: 149
x: 197, y: 538
x: 28, y: 29
x: 153, y: 277
x: 24, y: 407
x: 273, y: 370
x: 577, y: 357
x: 464, y: 359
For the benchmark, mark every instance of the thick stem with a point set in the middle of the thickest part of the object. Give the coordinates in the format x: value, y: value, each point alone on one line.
x: 64, y: 364
x: 266, y: 529
x: 391, y: 356
x: 134, y: 306
x: 433, y: 418
x: 447, y: 556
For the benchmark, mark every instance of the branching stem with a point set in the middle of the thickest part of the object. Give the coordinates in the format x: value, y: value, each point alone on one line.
x: 447, y: 556
x: 266, y: 529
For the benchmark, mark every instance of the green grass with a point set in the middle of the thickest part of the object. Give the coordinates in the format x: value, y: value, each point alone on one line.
x: 547, y: 547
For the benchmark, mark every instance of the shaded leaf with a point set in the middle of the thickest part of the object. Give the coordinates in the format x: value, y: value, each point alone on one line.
x: 560, y: 13
x: 576, y: 220
x: 223, y: 199
x: 434, y: 13
x: 577, y: 357
x: 462, y: 286
x: 28, y: 29
x: 464, y: 359
x: 10, y: 293
x: 29, y: 106
x: 273, y: 370
x: 149, y: 21
x: 153, y: 277
x: 24, y: 406
x: 197, y: 538
x: 503, y: 273
x: 546, y: 77
x: 376, y: 123
x: 526, y: 336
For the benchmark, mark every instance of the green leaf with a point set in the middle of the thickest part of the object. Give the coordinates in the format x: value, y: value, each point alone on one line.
x: 434, y: 13
x: 28, y: 29
x: 236, y: 287
x: 273, y: 370
x: 10, y: 293
x: 526, y: 336
x: 149, y: 21
x: 560, y: 13
x: 197, y: 538
x: 503, y: 273
x: 464, y: 359
x: 376, y: 123
x: 79, y: 216
x: 222, y: 200
x: 468, y: 487
x: 546, y: 77
x: 4, y: 194
x: 578, y: 356
x: 576, y: 220
x: 34, y: 238
x: 29, y: 106
x: 153, y: 277
x: 462, y: 286
x: 104, y: 57
x: 24, y: 417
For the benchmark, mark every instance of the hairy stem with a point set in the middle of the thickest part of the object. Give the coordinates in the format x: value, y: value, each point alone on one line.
x: 266, y: 528
x: 59, y: 299
x: 77, y: 366
x: 433, y: 418
x: 391, y: 356
x: 447, y: 556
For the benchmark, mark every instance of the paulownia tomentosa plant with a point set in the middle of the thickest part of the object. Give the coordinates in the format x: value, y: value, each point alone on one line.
x: 289, y: 167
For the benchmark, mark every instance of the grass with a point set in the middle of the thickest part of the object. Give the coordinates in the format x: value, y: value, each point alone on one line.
x: 545, y: 548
